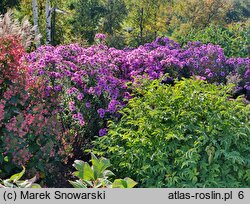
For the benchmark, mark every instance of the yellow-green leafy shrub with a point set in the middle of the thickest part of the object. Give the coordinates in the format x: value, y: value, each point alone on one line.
x: 187, y: 135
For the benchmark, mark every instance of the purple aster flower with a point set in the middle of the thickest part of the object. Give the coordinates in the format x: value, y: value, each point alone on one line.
x: 91, y: 90
x: 82, y: 122
x: 103, y: 132
x: 112, y: 107
x: 247, y: 87
x: 74, y: 116
x: 222, y: 74
x: 48, y: 90
x: 53, y: 74
x: 210, y: 75
x: 71, y: 91
x: 127, y: 95
x: 88, y: 104
x: 58, y: 88
x: 101, y: 112
x: 80, y: 96
x: 247, y: 73
x: 98, y: 90
x: 79, y: 116
x: 218, y: 60
x: 207, y: 71
x: 200, y: 78
x: 41, y: 72
x: 72, y: 106
x: 100, y: 36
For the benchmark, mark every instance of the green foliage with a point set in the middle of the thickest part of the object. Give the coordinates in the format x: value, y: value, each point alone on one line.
x: 115, y: 12
x: 234, y: 39
x: 145, y: 21
x: 93, y: 16
x: 117, y: 41
x: 186, y: 135
x: 132, y: 21
x: 15, y: 182
x: 88, y: 14
x: 97, y: 175
x: 184, y: 16
x: 239, y: 11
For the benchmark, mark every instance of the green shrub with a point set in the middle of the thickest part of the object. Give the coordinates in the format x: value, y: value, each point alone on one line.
x: 187, y: 135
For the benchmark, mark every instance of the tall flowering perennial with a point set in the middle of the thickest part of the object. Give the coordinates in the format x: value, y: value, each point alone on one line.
x: 30, y: 133
x: 91, y: 83
x: 208, y: 61
x: 91, y: 88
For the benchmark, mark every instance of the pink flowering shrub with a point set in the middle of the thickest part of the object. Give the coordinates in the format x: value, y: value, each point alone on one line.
x: 30, y: 133
x: 10, y: 55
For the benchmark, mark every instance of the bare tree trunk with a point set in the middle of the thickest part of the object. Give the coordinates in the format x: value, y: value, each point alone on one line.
x: 48, y: 22
x: 35, y: 18
x: 53, y: 25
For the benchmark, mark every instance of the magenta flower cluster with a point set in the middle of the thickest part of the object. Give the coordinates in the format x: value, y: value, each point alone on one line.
x: 100, y: 36
x: 93, y: 80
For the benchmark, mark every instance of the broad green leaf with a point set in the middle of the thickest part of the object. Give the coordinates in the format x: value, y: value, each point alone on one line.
x: 99, y: 166
x: 88, y: 173
x: 84, y: 170
x: 124, y: 183
x: 79, y: 165
x: 119, y: 183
